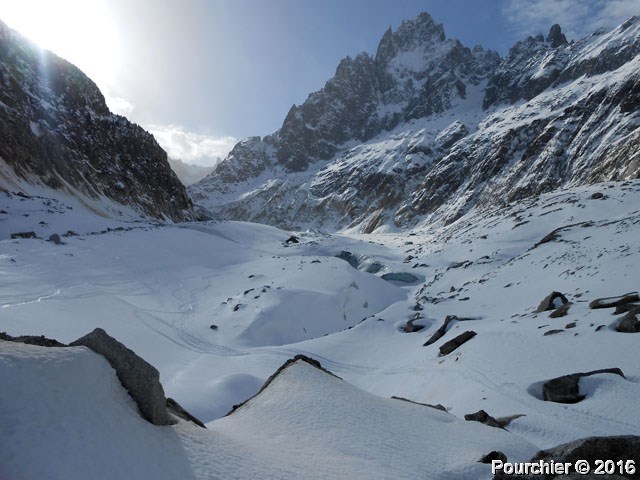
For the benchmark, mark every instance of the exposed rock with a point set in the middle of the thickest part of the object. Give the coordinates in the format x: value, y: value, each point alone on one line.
x: 483, y: 417
x: 560, y: 311
x: 570, y: 325
x: 553, y: 301
x: 494, y: 455
x: 629, y: 323
x: 610, y: 302
x: 627, y: 307
x: 55, y: 238
x: 292, y: 239
x: 615, y: 448
x: 453, y: 344
x: 176, y: 409
x: 552, y: 332
x: 213, y: 326
x: 555, y: 37
x: 597, y: 196
x: 140, y: 378
x: 23, y: 235
x: 302, y: 358
x: 41, y: 340
x: 349, y: 257
x: 566, y: 389
x: 443, y: 328
x: 437, y: 406
x: 410, y: 327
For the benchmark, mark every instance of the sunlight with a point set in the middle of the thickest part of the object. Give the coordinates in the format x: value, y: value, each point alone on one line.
x: 80, y: 31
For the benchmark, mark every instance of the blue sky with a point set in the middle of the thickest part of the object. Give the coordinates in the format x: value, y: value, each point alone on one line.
x: 201, y: 74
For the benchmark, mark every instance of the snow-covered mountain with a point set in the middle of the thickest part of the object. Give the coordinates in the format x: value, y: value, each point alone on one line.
x: 59, y: 136
x: 427, y: 128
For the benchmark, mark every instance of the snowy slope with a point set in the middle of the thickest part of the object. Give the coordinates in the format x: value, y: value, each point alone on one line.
x: 158, y: 289
x: 68, y: 417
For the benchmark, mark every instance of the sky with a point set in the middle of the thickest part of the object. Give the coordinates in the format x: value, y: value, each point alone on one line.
x: 203, y: 74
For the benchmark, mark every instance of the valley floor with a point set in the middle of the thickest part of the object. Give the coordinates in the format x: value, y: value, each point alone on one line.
x: 218, y: 307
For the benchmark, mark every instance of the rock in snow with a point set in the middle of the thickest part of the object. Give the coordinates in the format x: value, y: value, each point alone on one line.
x: 140, y: 378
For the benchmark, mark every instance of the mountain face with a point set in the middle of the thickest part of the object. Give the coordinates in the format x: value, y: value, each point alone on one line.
x: 57, y: 132
x: 427, y: 129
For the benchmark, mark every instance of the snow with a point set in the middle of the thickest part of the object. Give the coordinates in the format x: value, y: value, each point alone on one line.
x: 158, y: 289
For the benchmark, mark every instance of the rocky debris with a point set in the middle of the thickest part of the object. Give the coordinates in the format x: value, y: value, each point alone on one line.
x: 566, y: 389
x: 453, y: 344
x: 615, y: 448
x: 610, y: 302
x: 298, y: 358
x: 41, y: 340
x: 443, y: 328
x: 55, y: 238
x: 15, y: 236
x: 436, y: 406
x: 138, y: 377
x: 176, y: 409
x: 553, y: 301
x: 292, y: 239
x: 629, y: 323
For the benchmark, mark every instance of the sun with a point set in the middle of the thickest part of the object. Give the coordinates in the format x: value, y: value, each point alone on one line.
x: 80, y: 31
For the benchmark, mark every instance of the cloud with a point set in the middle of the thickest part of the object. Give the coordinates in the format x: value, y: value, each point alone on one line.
x: 118, y: 105
x: 194, y: 148
x: 577, y: 18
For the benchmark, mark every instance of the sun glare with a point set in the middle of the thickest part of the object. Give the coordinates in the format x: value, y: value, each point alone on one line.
x: 80, y: 31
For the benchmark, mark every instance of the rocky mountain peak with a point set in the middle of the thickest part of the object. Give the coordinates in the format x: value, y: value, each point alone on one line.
x: 555, y: 38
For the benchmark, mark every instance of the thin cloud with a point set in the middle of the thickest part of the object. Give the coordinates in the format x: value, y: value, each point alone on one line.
x: 578, y: 19
x: 190, y: 147
x: 118, y: 105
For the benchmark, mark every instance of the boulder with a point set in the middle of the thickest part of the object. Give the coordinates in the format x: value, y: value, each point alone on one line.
x: 566, y: 389
x: 55, y: 238
x: 137, y: 376
x: 483, y: 417
x: 610, y: 302
x: 629, y: 323
x: 494, y: 455
x: 560, y: 311
x: 292, y: 239
x: 451, y: 345
x: 553, y: 301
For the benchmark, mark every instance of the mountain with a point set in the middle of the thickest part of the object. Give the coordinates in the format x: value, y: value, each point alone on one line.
x: 188, y: 173
x: 58, y: 134
x: 427, y: 129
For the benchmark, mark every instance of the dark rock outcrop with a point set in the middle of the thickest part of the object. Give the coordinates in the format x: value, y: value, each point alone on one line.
x: 137, y: 376
x: 176, y: 409
x: 483, y: 417
x: 629, y: 323
x: 453, y: 344
x: 56, y: 130
x: 566, y: 389
x: 552, y: 301
x: 15, y: 236
x: 615, y: 448
x: 41, y: 340
x: 610, y: 302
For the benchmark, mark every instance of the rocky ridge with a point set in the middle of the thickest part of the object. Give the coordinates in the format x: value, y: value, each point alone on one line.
x: 427, y: 129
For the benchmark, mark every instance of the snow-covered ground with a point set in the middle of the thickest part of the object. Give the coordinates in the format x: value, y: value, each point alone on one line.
x: 159, y: 289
